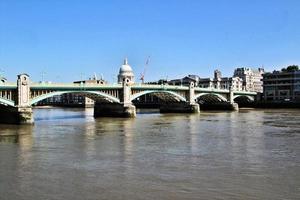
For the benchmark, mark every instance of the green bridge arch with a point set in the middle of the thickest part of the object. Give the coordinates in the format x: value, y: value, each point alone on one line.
x: 213, y: 94
x: 51, y: 94
x: 251, y: 98
x: 7, y: 102
x: 137, y: 95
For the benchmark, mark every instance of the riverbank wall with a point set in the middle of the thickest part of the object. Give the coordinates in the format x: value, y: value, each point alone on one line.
x: 270, y: 104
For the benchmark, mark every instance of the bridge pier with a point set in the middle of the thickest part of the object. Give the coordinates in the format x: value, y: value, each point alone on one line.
x: 220, y: 106
x: 114, y: 110
x: 180, y: 108
x: 16, y: 115
x: 25, y: 115
x: 21, y: 113
x: 234, y: 106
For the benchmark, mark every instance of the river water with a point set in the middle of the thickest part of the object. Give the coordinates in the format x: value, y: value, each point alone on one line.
x: 67, y: 154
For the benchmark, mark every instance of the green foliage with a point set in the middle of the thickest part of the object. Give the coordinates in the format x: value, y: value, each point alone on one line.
x: 290, y: 68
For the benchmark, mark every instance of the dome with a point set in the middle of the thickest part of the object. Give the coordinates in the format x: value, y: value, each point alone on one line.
x: 125, y: 72
x: 125, y: 68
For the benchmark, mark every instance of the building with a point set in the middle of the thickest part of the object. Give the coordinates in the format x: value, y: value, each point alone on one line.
x: 125, y: 72
x: 281, y: 86
x: 159, y: 82
x: 217, y: 79
x: 234, y: 83
x: 185, y: 80
x: 252, y: 78
x: 220, y: 82
x: 206, y: 83
x: 92, y: 81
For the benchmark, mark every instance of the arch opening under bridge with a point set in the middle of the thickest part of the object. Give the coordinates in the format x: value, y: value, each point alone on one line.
x: 243, y: 100
x: 210, y: 98
x: 161, y: 94
x: 95, y: 95
x: 243, y: 97
x: 7, y: 102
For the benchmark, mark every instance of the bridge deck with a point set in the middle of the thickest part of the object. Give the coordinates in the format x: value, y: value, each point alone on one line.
x: 73, y: 86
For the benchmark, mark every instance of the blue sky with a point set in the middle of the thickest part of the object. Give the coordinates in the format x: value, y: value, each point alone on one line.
x: 70, y: 39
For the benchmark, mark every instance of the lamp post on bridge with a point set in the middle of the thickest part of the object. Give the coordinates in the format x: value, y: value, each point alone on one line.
x: 43, y: 73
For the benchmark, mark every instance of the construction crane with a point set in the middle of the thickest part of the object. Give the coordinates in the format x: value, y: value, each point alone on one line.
x: 95, y: 76
x: 142, y: 77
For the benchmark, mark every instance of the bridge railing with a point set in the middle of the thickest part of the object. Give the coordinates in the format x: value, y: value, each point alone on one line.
x: 161, y: 86
x: 73, y: 86
x: 211, y: 89
x: 8, y: 85
x: 48, y: 85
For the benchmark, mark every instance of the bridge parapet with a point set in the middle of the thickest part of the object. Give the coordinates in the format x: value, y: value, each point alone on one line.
x: 162, y: 87
x: 199, y: 89
x: 73, y: 86
x: 245, y: 93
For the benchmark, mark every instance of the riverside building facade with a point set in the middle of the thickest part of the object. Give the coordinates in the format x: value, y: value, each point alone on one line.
x: 282, y: 86
x: 252, y: 78
x: 220, y: 82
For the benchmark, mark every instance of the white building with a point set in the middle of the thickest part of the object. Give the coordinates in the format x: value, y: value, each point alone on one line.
x: 252, y: 78
x: 125, y: 72
x: 235, y: 83
x: 219, y: 82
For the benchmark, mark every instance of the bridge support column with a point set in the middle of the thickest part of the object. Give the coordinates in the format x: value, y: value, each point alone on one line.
x: 24, y: 109
x: 114, y: 110
x: 233, y: 106
x: 25, y: 115
x: 180, y: 108
x: 194, y: 106
x: 15, y: 115
x: 123, y: 109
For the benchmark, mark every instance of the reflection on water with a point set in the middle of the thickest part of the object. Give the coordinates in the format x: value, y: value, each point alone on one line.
x: 67, y: 154
x: 16, y: 134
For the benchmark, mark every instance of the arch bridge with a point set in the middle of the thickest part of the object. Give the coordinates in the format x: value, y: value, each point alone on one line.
x: 16, y: 100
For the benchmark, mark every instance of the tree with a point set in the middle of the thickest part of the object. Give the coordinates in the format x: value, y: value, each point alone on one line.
x: 283, y: 70
x: 292, y: 68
